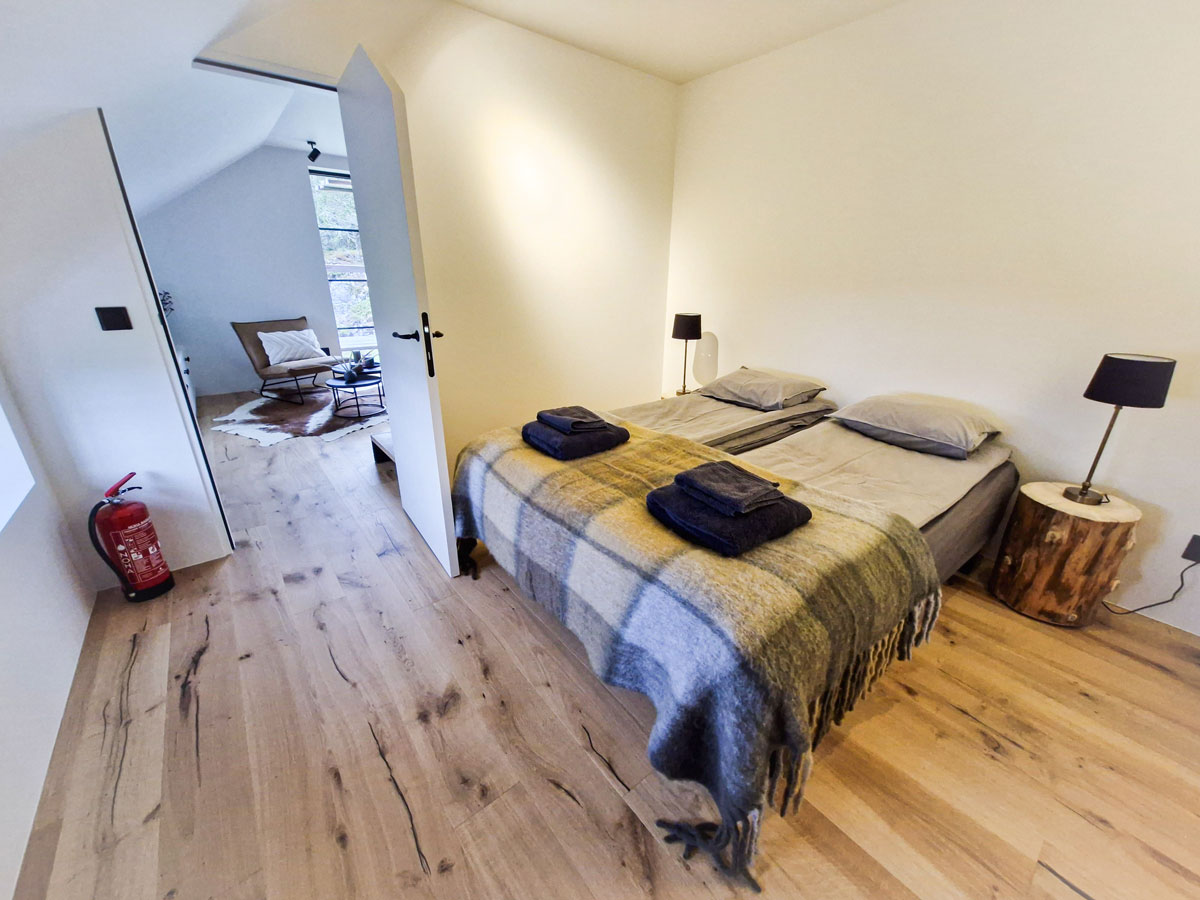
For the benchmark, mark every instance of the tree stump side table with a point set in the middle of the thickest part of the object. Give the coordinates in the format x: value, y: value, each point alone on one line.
x: 1060, y: 557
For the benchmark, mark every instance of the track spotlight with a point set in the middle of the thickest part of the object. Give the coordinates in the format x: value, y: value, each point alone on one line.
x: 314, y: 152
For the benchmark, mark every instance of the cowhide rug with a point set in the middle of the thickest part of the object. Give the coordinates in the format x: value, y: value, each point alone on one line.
x: 271, y: 421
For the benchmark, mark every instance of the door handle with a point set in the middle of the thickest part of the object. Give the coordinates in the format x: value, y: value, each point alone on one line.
x: 438, y: 334
x: 411, y: 336
x: 428, y: 343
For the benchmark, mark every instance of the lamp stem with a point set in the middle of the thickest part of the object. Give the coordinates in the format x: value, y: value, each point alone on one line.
x: 683, y: 390
x: 1087, y: 482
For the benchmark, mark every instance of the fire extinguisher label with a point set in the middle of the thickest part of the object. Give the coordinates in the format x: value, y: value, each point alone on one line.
x: 138, y: 553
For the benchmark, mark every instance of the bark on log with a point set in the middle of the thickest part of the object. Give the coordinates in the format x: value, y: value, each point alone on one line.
x: 1060, y: 558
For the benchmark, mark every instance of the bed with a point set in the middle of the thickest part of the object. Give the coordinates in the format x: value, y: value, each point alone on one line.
x: 749, y: 660
x: 957, y: 504
x: 717, y: 423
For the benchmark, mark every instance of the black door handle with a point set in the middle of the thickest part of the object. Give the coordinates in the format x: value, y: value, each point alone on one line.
x: 438, y: 334
x: 411, y: 336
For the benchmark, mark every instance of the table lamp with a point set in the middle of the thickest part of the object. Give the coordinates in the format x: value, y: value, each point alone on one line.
x: 686, y: 328
x: 1123, y: 379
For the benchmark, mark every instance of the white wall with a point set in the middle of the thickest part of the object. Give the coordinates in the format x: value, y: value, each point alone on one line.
x: 970, y: 198
x: 97, y: 404
x: 543, y: 181
x: 43, y: 614
x: 87, y: 407
x: 241, y: 246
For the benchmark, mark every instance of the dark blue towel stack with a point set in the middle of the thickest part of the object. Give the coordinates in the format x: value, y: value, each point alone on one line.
x: 571, y: 432
x: 725, y: 508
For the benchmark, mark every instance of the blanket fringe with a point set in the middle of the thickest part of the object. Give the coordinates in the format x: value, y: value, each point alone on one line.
x: 868, y: 667
x: 738, y: 831
x: 738, y: 834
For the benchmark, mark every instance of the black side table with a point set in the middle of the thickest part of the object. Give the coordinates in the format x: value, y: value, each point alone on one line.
x: 347, y: 401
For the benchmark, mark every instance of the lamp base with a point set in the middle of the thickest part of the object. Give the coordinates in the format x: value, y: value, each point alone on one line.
x: 681, y: 392
x: 1086, y: 497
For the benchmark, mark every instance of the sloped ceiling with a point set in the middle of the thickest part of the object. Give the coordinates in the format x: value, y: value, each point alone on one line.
x: 57, y: 56
x: 318, y: 37
x: 679, y: 40
x: 178, y: 131
x: 310, y: 115
x: 173, y: 126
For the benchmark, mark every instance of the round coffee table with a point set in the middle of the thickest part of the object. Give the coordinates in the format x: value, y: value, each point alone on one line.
x: 347, y: 401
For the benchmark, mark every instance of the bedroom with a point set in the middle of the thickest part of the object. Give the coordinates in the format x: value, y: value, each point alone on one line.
x: 972, y: 200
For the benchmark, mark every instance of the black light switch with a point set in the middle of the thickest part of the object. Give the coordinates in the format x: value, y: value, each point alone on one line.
x: 113, y: 318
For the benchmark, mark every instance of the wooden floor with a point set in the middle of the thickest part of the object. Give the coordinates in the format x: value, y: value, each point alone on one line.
x: 324, y: 714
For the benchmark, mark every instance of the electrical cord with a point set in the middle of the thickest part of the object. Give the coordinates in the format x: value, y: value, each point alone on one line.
x: 1117, y: 611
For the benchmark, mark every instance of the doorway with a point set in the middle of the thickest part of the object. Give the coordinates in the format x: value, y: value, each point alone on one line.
x: 360, y: 289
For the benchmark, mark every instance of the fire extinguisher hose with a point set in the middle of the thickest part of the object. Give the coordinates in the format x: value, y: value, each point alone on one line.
x: 126, y: 587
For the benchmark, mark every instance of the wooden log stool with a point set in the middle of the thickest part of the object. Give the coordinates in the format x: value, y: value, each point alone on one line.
x: 1060, y: 557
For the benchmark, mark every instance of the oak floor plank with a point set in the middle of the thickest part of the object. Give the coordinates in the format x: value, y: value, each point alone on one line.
x: 566, y: 782
x: 207, y: 844
x: 108, y: 843
x: 533, y: 867
x: 590, y: 714
x: 33, y: 881
x: 823, y: 861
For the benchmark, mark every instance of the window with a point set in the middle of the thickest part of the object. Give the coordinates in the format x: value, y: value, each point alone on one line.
x: 337, y: 221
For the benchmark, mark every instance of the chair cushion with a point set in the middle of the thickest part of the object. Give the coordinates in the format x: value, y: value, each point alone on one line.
x: 247, y: 333
x: 289, y: 346
x: 299, y: 367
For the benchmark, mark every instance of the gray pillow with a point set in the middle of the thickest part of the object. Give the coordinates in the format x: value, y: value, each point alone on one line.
x: 919, y: 422
x: 763, y: 389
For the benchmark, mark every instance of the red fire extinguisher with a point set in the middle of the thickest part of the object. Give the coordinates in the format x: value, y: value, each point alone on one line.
x: 123, y: 535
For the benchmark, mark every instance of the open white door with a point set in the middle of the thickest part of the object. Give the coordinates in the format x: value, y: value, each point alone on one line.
x: 376, y: 127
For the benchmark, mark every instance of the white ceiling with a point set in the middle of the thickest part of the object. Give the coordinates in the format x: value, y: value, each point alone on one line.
x: 311, y: 115
x: 183, y: 128
x: 58, y: 56
x: 172, y: 126
x: 679, y: 39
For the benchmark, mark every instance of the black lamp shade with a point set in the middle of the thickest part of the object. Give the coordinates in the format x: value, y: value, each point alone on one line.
x: 687, y: 327
x: 1131, y: 379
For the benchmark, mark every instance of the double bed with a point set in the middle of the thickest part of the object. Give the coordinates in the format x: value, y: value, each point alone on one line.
x: 748, y: 660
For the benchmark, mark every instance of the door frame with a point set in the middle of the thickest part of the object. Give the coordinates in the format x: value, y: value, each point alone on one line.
x: 226, y: 69
x: 166, y: 332
x: 292, y: 77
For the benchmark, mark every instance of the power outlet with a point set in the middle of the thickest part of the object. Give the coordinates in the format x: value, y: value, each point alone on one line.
x: 1192, y: 552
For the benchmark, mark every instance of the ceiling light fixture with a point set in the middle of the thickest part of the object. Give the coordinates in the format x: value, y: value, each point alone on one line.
x: 314, y: 152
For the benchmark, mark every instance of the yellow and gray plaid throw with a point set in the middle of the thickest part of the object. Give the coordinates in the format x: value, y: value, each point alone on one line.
x: 748, y: 660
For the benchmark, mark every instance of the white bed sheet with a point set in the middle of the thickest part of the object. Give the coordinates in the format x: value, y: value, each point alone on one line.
x: 715, y: 422
x: 918, y: 486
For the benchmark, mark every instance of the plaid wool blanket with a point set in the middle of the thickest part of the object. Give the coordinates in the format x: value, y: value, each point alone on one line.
x: 748, y: 661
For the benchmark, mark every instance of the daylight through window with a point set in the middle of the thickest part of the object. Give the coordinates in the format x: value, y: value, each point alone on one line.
x: 337, y: 222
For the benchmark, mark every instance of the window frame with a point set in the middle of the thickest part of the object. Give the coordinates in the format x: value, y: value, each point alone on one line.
x: 329, y: 276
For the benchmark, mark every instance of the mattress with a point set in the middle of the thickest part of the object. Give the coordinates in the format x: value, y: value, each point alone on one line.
x: 957, y: 503
x: 726, y: 426
x: 966, y: 527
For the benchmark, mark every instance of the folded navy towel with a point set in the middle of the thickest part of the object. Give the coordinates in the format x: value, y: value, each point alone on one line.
x: 572, y: 446
x: 728, y: 535
x: 571, y: 419
x: 727, y: 488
